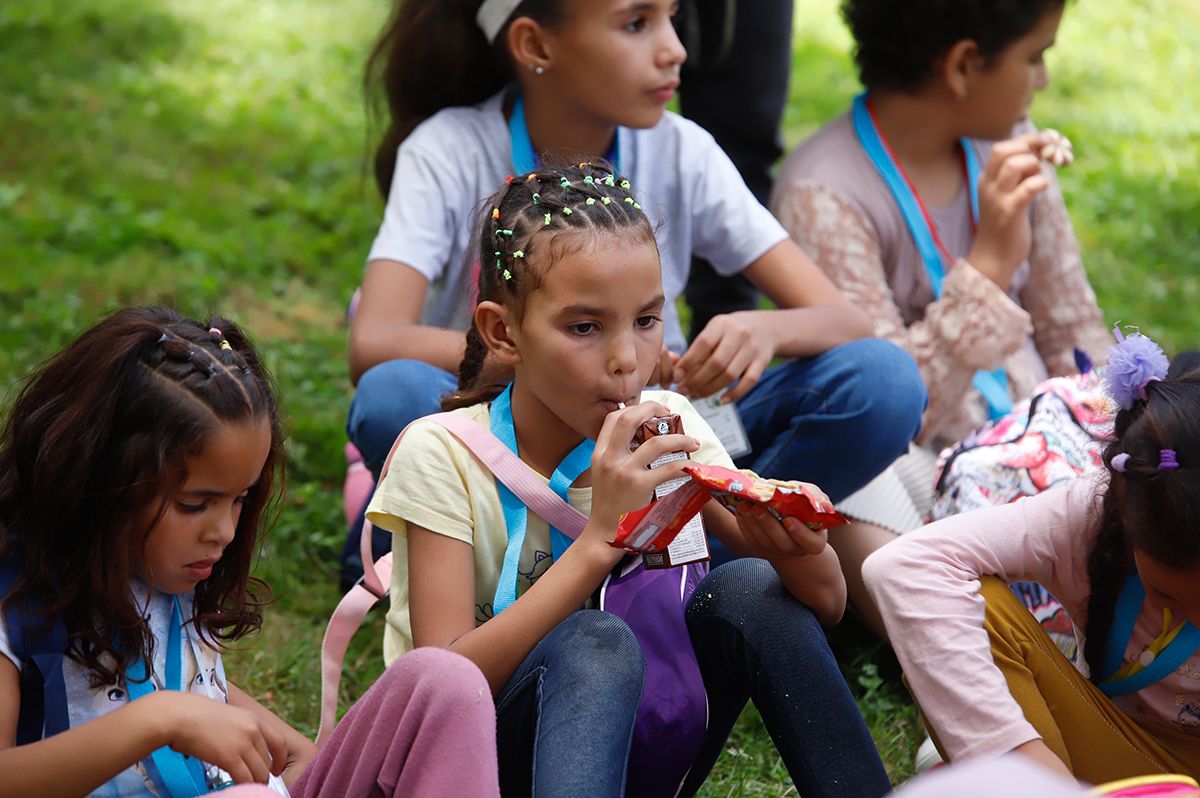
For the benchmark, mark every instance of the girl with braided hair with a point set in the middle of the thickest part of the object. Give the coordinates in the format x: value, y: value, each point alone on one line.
x: 1120, y: 548
x: 581, y: 80
x: 571, y: 303
x: 137, y: 467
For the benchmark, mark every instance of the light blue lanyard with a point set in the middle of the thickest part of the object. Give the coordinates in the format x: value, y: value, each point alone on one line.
x: 182, y: 775
x: 1129, y: 606
x: 516, y: 515
x: 992, y: 385
x: 525, y: 160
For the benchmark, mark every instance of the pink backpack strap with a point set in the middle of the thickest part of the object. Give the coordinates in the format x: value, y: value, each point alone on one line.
x: 354, y: 606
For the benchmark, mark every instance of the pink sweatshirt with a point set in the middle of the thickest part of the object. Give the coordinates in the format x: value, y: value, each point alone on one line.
x: 926, y: 585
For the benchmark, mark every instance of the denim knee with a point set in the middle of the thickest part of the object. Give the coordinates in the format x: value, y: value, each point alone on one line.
x: 748, y: 595
x: 389, y: 397
x: 599, y: 649
x: 886, y: 390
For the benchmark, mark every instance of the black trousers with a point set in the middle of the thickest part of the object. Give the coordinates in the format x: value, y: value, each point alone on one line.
x: 735, y: 85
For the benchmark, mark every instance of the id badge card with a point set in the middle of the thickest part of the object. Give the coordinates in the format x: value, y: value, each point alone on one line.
x: 726, y: 422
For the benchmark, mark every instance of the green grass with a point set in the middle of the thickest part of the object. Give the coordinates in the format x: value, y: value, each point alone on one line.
x: 211, y: 156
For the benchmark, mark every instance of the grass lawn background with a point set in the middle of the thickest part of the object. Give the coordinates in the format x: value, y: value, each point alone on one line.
x: 211, y: 156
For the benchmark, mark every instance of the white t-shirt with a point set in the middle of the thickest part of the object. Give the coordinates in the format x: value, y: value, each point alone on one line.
x: 453, y: 161
x: 85, y: 703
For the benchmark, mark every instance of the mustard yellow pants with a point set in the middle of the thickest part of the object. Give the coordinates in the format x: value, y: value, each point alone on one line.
x: 1097, y: 741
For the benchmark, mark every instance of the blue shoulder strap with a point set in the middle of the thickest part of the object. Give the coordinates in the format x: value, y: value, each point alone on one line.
x: 992, y: 385
x: 515, y: 513
x: 1129, y: 606
x: 182, y: 775
x: 40, y: 648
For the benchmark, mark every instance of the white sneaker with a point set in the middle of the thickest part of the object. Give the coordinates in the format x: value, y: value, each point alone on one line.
x: 927, y: 757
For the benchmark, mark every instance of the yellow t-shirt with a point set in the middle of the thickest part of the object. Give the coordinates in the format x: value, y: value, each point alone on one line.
x: 435, y: 482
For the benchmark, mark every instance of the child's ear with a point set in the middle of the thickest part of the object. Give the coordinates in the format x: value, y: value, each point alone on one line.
x: 496, y: 325
x: 528, y: 46
x: 959, y: 68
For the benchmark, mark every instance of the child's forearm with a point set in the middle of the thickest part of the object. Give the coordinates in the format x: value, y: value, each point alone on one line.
x: 499, y: 646
x: 81, y: 759
x: 816, y: 581
x: 809, y: 331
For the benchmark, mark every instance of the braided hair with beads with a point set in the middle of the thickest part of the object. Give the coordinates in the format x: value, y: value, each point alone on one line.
x: 94, y: 447
x: 534, y: 219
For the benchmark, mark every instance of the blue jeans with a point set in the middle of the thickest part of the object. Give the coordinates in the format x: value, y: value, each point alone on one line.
x: 565, y: 719
x: 753, y: 640
x: 390, y: 396
x: 837, y: 419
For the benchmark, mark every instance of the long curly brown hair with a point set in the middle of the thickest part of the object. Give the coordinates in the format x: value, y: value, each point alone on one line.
x: 98, y: 437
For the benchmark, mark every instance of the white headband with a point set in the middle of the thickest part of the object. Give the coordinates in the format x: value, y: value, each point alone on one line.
x: 492, y: 15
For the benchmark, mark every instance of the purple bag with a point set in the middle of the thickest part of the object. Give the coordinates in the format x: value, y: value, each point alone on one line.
x: 672, y: 717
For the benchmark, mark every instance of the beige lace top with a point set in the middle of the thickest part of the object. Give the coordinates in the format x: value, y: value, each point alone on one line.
x: 837, y: 207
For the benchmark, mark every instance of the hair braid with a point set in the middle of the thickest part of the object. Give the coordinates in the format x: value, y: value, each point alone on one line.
x: 533, y: 220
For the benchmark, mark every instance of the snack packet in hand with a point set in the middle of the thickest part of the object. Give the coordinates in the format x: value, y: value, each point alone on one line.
x: 652, y: 528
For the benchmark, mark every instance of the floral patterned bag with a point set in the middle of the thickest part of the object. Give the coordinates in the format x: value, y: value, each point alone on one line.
x: 1056, y: 435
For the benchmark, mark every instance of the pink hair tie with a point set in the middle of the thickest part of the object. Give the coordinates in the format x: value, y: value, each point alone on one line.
x: 1167, y: 460
x: 220, y: 336
x: 1120, y: 461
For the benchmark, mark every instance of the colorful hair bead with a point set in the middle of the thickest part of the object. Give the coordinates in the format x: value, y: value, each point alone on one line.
x: 504, y: 233
x: 520, y: 253
x: 547, y: 220
x: 588, y: 181
x: 629, y: 200
x: 537, y: 198
x: 507, y: 275
x: 496, y: 214
x: 1167, y: 460
x: 637, y: 207
x: 606, y: 200
x: 508, y: 180
x: 625, y: 184
x: 564, y: 183
x: 608, y: 181
x: 1120, y: 462
x: 567, y: 211
x: 591, y: 200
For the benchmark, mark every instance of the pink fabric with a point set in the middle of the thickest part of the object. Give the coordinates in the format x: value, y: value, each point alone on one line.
x: 995, y: 778
x: 427, y: 727
x: 926, y: 585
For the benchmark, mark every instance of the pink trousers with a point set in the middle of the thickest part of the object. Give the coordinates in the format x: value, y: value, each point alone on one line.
x: 427, y: 727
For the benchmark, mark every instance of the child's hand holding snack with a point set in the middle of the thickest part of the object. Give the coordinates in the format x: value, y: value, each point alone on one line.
x: 772, y: 536
x: 622, y: 480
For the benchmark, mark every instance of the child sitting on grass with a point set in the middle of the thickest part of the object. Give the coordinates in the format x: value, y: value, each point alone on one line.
x: 136, y: 467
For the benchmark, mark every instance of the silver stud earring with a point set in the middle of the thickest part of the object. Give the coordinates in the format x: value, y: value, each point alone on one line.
x: 539, y: 70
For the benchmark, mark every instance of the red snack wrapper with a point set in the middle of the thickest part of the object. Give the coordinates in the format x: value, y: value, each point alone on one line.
x: 653, y: 528
x: 782, y: 499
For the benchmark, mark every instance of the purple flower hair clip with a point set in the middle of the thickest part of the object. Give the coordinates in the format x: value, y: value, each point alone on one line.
x: 1133, y: 363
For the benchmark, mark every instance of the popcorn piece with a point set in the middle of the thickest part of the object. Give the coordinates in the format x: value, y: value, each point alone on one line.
x: 1056, y: 149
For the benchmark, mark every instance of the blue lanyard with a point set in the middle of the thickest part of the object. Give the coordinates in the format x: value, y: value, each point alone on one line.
x: 992, y: 385
x: 182, y: 775
x: 525, y: 160
x: 516, y: 515
x: 1129, y: 606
